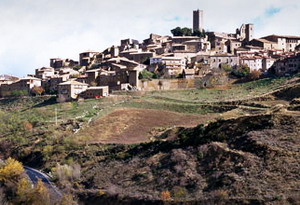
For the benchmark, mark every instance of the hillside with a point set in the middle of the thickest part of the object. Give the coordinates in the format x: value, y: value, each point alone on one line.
x: 245, y: 160
x: 233, y: 145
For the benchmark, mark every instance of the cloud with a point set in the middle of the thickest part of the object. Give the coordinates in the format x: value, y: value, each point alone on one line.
x: 34, y: 31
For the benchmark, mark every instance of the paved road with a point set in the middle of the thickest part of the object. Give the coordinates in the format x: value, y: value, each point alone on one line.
x: 34, y: 175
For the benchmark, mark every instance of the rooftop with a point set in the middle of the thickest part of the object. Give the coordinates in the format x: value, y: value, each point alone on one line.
x: 73, y: 82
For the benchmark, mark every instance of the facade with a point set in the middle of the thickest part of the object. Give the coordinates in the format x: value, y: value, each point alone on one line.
x: 95, y: 92
x: 198, y: 20
x: 85, y: 58
x: 264, y: 44
x: 245, y: 33
x: 232, y: 45
x: 21, y: 87
x: 267, y: 63
x: 70, y: 90
x: 254, y: 62
x: 287, y: 65
x: 172, y: 66
x: 55, y: 80
x: 285, y: 43
x: 197, y: 45
x: 141, y: 57
x: 216, y: 61
x: 44, y: 72
x: 57, y: 63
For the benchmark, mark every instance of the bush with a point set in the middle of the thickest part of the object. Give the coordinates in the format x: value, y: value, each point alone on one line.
x: 37, y: 90
x: 241, y: 71
x: 18, y: 93
x: 12, y: 171
x: 179, y: 192
x: 146, y: 75
x: 165, y: 196
x: 254, y: 75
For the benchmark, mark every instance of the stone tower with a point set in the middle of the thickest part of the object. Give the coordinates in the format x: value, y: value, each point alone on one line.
x: 249, y: 32
x: 198, y: 20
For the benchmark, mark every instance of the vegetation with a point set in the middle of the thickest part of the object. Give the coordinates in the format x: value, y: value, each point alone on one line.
x: 147, y: 75
x: 239, y: 72
x: 37, y: 90
x: 209, y: 161
x: 187, y: 32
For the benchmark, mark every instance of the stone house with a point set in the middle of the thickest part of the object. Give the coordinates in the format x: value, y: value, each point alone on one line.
x: 141, y: 57
x: 254, y: 62
x: 23, y: 87
x: 57, y: 63
x: 172, y: 66
x: 115, y: 79
x: 264, y: 43
x: 52, y: 84
x: 92, y: 75
x: 70, y: 90
x: 86, y: 58
x: 288, y: 65
x: 267, y: 62
x: 44, y: 72
x: 285, y: 43
x: 95, y: 92
x: 216, y: 61
x: 197, y: 45
x: 232, y: 45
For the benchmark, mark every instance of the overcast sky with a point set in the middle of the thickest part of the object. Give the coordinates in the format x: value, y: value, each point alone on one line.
x: 32, y: 31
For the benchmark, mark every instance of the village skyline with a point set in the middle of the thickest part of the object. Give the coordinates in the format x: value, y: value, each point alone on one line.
x: 55, y: 30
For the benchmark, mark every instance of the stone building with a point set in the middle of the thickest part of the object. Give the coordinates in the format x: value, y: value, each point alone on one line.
x: 285, y: 43
x: 95, y: 92
x: 44, y: 72
x: 85, y: 58
x: 216, y: 61
x: 57, y: 63
x: 22, y: 86
x: 288, y: 65
x: 70, y: 90
x: 198, y: 20
x: 232, y: 45
x: 254, y: 62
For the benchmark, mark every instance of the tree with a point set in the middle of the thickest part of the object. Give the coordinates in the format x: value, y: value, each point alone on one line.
x: 146, y: 75
x: 199, y: 33
x: 241, y: 71
x: 177, y: 31
x: 11, y: 171
x: 181, y: 31
x: 41, y: 194
x: 254, y: 75
x: 37, y: 90
x: 24, y: 191
x: 227, y: 68
x: 187, y: 31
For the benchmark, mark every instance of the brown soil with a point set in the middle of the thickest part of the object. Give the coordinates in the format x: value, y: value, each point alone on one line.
x: 130, y: 126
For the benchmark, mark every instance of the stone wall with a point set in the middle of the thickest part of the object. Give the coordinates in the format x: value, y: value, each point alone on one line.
x: 168, y: 84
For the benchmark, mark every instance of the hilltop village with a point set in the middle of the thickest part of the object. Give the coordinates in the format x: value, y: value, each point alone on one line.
x: 188, y: 59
